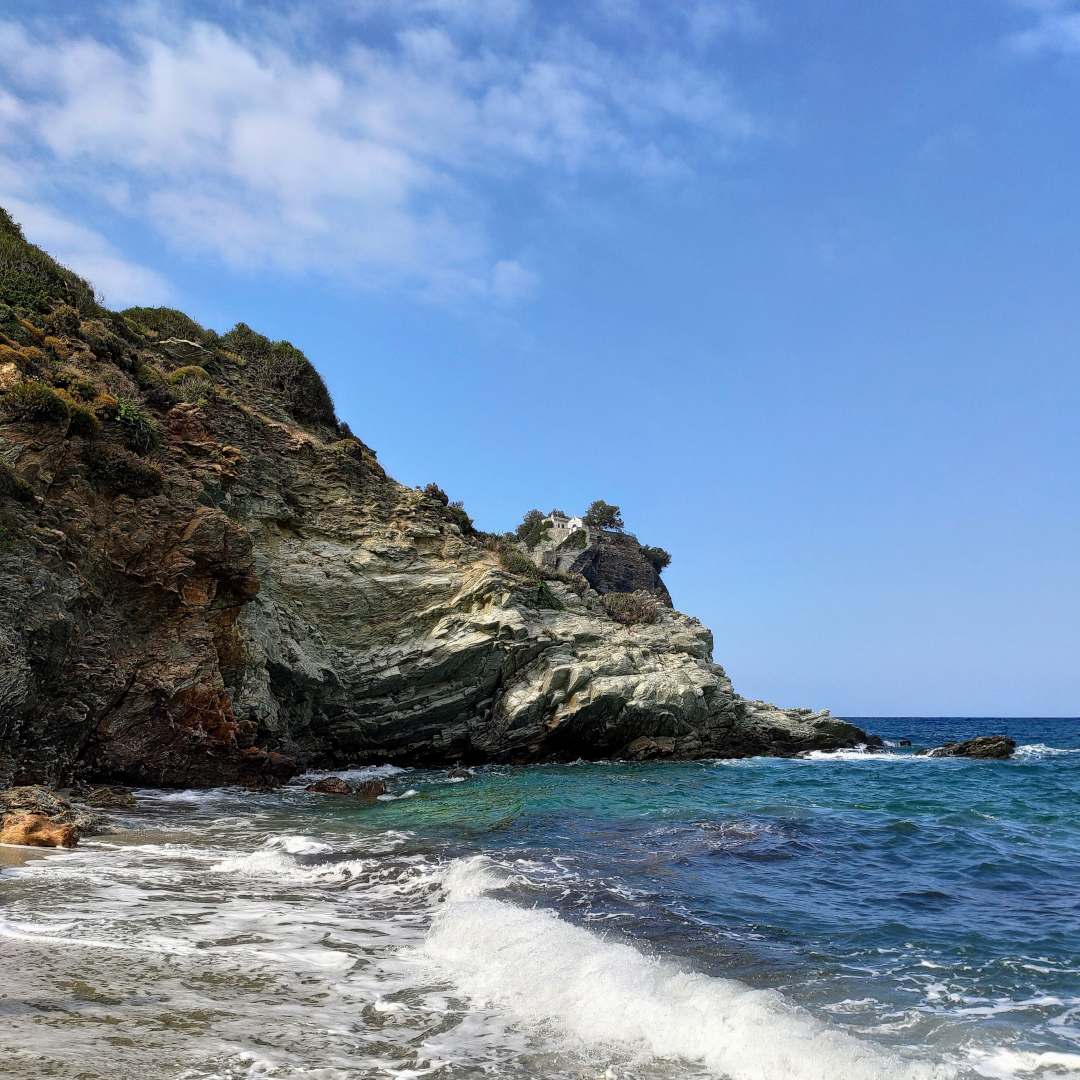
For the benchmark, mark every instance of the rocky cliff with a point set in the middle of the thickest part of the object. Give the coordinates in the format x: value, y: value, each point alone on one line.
x: 616, y: 562
x: 205, y: 578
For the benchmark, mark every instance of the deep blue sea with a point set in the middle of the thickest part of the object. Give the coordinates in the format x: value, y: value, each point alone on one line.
x: 836, y: 917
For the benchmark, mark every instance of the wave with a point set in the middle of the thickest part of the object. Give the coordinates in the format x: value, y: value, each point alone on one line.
x: 360, y: 772
x: 548, y: 972
x: 1006, y: 1064
x: 1041, y: 750
x: 277, y: 858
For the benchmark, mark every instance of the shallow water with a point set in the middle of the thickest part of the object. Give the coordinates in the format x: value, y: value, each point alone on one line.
x: 840, y: 917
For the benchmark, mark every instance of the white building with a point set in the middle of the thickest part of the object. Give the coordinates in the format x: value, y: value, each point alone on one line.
x: 562, y: 526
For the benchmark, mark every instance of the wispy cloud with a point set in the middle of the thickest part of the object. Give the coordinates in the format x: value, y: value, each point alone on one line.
x: 1055, y: 27
x: 365, y: 140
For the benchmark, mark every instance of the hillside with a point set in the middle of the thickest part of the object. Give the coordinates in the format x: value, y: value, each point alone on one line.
x: 205, y: 578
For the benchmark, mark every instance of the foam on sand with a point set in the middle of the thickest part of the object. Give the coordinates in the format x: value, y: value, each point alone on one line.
x: 546, y: 971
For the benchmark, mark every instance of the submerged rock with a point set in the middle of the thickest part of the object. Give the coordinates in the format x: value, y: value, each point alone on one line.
x: 330, y: 785
x: 36, y: 830
x: 983, y: 746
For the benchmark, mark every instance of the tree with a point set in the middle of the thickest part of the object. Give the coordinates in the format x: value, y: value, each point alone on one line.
x: 604, y: 515
x: 433, y: 491
x: 660, y: 558
x: 532, y: 519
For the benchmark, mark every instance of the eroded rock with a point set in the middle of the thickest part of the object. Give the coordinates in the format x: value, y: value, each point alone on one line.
x: 983, y: 746
x: 36, y: 830
x: 330, y: 785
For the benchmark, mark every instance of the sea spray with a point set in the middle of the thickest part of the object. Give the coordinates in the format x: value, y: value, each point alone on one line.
x: 547, y: 971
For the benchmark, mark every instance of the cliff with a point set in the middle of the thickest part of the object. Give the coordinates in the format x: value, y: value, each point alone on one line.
x: 205, y: 578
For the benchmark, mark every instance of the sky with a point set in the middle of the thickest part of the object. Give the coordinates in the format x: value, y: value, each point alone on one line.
x: 794, y: 283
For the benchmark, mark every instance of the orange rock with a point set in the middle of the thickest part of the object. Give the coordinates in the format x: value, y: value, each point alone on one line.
x: 36, y: 830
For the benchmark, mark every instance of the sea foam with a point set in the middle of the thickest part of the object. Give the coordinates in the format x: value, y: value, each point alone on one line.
x: 546, y: 971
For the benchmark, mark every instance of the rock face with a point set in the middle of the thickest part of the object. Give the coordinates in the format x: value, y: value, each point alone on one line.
x: 615, y: 562
x: 983, y: 746
x: 247, y: 591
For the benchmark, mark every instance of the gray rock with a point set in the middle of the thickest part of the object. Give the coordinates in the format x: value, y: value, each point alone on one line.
x: 983, y: 746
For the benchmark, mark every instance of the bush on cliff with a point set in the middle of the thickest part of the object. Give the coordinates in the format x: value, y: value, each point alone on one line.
x: 579, y: 538
x: 631, y: 608
x: 433, y: 491
x: 11, y: 487
x: 285, y: 370
x: 29, y: 278
x: 139, y: 432
x: 659, y: 558
x: 528, y: 522
x: 517, y: 563
x: 84, y: 422
x: 122, y: 472
x: 164, y: 322
x: 37, y: 401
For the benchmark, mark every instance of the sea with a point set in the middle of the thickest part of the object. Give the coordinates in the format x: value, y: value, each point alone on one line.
x: 846, y: 916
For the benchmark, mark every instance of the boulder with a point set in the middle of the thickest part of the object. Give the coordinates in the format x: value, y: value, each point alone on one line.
x: 371, y: 789
x: 645, y: 748
x: 330, y: 785
x: 458, y: 774
x: 983, y: 746
x: 36, y: 830
x: 109, y: 798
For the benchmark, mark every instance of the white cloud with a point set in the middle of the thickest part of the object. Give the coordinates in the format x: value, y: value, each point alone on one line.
x: 375, y: 155
x: 1056, y: 27
x: 120, y: 281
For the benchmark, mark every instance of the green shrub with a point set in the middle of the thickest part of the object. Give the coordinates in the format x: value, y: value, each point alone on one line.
x: 84, y: 422
x: 29, y: 278
x: 528, y: 522
x: 518, y: 563
x: 138, y: 430
x: 122, y: 472
x: 460, y: 518
x: 11, y: 487
x: 163, y: 322
x: 545, y: 598
x: 62, y: 321
x: 285, y: 370
x: 579, y: 538
x: 631, y: 608
x: 190, y: 373
x: 578, y: 582
x: 103, y: 341
x: 660, y: 558
x: 433, y: 491
x: 83, y: 389
x: 34, y: 400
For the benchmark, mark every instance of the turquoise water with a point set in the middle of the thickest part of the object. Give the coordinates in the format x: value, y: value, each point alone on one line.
x: 840, y: 916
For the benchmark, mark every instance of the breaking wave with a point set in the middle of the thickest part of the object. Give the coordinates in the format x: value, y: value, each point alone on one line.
x: 548, y: 972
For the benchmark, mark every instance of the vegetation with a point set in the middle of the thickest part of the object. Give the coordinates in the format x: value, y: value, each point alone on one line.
x: 461, y: 518
x: 529, y: 522
x: 284, y: 369
x: 31, y: 279
x: 138, y: 430
x: 631, y: 608
x: 123, y: 472
x: 433, y: 491
x: 577, y: 582
x: 84, y: 422
x: 660, y: 558
x: 190, y: 372
x: 62, y: 321
x: 545, y: 598
x: 11, y: 487
x: 34, y: 400
x: 604, y: 515
x: 163, y: 322
x: 579, y: 538
x: 517, y: 563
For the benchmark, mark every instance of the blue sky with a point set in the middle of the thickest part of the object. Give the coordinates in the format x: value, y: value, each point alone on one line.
x: 794, y: 283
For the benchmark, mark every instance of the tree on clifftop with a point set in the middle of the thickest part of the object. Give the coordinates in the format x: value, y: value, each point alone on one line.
x: 530, y: 521
x: 604, y: 515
